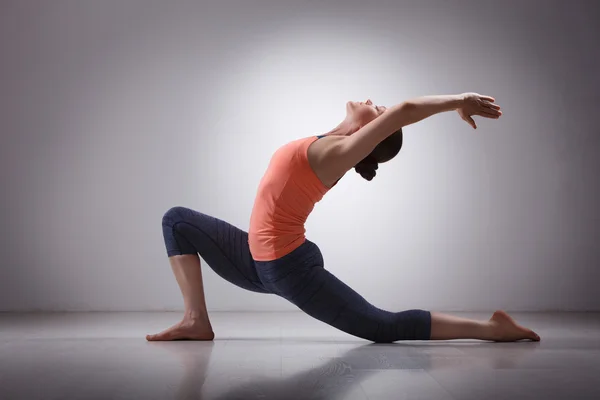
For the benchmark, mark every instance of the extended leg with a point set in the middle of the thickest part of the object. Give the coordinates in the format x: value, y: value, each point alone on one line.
x: 330, y: 300
x: 321, y: 295
x: 301, y: 279
x: 500, y: 327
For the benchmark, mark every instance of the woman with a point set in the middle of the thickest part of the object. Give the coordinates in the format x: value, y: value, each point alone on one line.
x: 275, y: 256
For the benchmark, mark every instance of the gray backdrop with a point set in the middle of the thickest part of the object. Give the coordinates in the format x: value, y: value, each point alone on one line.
x: 114, y: 111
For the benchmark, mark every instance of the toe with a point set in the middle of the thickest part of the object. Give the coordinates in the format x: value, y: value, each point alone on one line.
x: 157, y: 336
x: 532, y: 335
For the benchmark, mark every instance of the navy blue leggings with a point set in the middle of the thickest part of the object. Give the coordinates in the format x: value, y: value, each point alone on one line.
x: 299, y: 277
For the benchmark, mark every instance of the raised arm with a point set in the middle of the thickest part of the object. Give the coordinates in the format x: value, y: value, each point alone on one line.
x: 419, y: 108
x: 348, y: 152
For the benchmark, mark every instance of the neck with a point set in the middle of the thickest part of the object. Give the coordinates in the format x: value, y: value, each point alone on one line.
x: 345, y: 128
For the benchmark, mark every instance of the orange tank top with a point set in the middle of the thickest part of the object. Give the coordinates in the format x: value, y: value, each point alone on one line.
x: 286, y: 195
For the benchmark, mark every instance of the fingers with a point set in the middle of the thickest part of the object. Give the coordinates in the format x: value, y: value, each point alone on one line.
x: 490, y: 105
x: 489, y: 110
x: 470, y: 121
x: 489, y: 113
x: 487, y: 98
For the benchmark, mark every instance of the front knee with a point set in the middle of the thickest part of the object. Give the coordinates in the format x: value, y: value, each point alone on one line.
x: 174, y: 215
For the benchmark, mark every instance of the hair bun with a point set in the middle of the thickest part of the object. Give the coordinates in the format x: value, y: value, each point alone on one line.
x: 366, y: 168
x: 383, y: 152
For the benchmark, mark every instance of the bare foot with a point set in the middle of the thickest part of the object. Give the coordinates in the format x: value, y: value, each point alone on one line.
x: 505, y: 329
x: 185, y: 330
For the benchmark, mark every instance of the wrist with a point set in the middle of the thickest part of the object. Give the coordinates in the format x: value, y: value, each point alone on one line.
x: 458, y: 100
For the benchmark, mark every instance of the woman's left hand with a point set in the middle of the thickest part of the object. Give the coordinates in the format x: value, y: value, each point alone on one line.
x: 476, y: 104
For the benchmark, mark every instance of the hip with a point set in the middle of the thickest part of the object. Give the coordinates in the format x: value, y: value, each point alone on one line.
x: 290, y: 268
x: 272, y: 246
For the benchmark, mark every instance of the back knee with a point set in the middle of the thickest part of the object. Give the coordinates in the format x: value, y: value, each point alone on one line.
x: 379, y: 338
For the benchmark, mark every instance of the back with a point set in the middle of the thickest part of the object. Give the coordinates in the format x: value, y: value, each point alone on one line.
x: 286, y: 196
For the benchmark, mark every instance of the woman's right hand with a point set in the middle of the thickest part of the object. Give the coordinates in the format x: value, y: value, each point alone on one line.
x: 476, y: 104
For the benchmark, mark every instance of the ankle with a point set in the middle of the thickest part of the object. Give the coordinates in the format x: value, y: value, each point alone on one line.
x: 492, y: 331
x: 196, y: 316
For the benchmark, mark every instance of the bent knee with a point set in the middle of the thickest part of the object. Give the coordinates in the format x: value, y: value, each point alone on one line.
x: 174, y: 215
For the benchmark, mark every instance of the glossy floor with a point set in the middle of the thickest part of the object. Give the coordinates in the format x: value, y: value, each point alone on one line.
x: 287, y: 356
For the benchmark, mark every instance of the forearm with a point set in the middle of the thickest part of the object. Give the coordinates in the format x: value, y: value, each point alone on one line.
x: 419, y: 108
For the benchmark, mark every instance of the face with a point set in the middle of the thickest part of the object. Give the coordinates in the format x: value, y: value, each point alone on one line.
x: 363, y: 112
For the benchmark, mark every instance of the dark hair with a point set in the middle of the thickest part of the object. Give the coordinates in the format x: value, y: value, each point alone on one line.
x: 383, y: 152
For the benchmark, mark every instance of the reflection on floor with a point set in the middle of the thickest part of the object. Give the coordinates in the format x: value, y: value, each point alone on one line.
x: 287, y: 356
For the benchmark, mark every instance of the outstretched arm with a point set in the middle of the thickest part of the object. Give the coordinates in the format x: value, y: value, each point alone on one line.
x: 419, y: 108
x: 467, y: 105
x: 348, y: 152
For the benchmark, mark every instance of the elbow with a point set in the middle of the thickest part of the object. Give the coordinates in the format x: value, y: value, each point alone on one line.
x: 406, y: 113
x: 407, y: 106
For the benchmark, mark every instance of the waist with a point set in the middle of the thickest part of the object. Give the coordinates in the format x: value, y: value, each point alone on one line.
x: 306, y: 253
x: 267, y: 246
x: 271, y: 237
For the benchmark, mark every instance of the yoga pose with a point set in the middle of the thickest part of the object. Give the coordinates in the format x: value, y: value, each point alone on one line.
x: 275, y: 257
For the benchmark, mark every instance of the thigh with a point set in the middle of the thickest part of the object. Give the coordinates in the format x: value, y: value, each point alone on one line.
x: 302, y: 279
x: 330, y: 300
x: 223, y: 247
